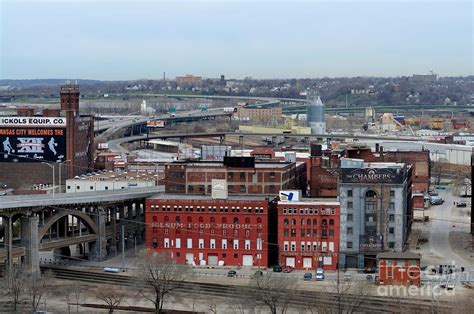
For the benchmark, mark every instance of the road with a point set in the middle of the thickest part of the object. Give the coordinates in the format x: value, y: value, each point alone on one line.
x: 442, y: 223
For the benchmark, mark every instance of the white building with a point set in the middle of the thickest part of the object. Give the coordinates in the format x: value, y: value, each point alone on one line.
x: 110, y: 181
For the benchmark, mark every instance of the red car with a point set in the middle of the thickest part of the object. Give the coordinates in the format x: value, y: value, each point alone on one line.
x: 287, y: 269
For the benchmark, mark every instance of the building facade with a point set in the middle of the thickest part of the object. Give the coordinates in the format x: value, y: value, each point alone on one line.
x: 399, y: 269
x: 244, y: 175
x: 308, y: 233
x: 267, y: 115
x: 375, y: 210
x: 35, y: 144
x: 199, y: 230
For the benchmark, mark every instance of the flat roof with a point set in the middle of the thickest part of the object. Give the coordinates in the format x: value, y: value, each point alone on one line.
x: 115, y: 176
x: 314, y: 201
x: 399, y: 255
x: 191, y: 197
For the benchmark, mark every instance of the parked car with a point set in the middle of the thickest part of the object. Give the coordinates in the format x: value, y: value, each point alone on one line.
x: 432, y: 193
x: 287, y: 269
x: 307, y: 276
x: 277, y: 269
x: 231, y: 273
x: 319, y: 274
x: 461, y: 204
x: 434, y: 200
x: 369, y: 277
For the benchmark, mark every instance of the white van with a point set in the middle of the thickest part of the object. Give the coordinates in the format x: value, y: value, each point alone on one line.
x: 319, y: 274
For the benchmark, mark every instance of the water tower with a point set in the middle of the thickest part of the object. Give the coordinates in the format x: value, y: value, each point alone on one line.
x: 315, y: 113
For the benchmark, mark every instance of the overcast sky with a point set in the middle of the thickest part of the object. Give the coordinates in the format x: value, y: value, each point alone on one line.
x: 263, y: 39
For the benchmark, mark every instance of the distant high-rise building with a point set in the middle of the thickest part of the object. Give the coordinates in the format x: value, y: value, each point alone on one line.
x: 315, y: 113
x: 188, y: 80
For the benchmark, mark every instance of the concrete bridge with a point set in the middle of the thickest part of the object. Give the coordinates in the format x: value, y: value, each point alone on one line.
x: 90, y: 220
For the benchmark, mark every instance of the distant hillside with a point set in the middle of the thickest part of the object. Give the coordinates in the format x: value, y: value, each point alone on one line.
x: 45, y: 82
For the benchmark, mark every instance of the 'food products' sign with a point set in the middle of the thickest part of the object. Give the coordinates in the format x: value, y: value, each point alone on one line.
x: 372, y: 175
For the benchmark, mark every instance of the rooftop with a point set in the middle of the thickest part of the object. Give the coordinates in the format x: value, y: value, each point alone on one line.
x: 189, y: 197
x: 116, y: 176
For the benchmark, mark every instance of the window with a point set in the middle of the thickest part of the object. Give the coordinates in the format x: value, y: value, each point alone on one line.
x: 236, y: 244
x: 242, y: 175
x: 242, y: 188
x: 178, y: 243
x: 190, y: 243
x: 331, y: 222
x: 236, y: 220
x: 331, y: 233
x: 349, y: 245
x: 236, y: 255
x: 224, y: 244
x: 293, y: 246
x: 391, y: 245
x: 349, y: 217
x: 391, y: 217
x: 303, y: 245
x: 285, y: 232
x: 324, y: 222
x: 293, y: 232
x: 349, y: 193
x: 350, y: 205
x: 302, y: 233
x: 315, y: 233
x: 392, y: 193
x: 391, y: 206
x: 167, y: 243
x: 91, y: 187
x: 285, y: 246
x: 293, y: 221
x: 213, y: 243
x: 247, y: 244
x: 391, y: 230
x: 349, y: 230
x: 315, y: 222
x: 201, y: 243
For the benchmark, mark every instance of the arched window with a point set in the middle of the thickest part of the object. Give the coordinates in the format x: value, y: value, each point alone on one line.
x: 331, y: 222
x: 370, y: 194
x: 190, y: 219
x: 178, y: 219
x: 308, y: 222
x: 201, y: 219
x: 324, y: 222
x: 293, y: 221
x: 315, y: 222
x: 302, y: 221
x: 236, y: 220
x: 224, y: 220
x: 259, y: 220
x: 167, y: 219
x: 286, y: 221
x: 247, y: 220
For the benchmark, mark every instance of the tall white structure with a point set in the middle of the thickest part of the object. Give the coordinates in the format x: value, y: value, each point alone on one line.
x: 143, y: 108
x: 315, y: 113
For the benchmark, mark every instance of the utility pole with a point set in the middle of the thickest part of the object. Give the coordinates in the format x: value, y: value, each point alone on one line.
x: 123, y: 247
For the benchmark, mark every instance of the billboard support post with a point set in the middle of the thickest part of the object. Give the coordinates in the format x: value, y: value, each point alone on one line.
x: 54, y: 181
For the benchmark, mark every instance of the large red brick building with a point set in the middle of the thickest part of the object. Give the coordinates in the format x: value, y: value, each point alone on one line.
x: 308, y: 233
x: 199, y: 230
x: 244, y: 175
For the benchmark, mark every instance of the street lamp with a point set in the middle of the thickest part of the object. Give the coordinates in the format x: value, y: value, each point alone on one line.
x: 54, y: 181
x: 60, y: 166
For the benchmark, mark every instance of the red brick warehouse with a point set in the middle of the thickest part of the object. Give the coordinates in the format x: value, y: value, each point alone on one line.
x: 308, y: 233
x: 199, y: 230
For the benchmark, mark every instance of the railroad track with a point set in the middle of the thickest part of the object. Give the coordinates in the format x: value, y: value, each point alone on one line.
x: 302, y: 299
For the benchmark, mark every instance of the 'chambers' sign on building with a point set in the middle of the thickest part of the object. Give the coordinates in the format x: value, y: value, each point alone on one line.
x: 372, y: 175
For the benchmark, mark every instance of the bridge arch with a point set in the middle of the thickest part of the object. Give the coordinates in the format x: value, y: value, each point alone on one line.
x: 66, y: 212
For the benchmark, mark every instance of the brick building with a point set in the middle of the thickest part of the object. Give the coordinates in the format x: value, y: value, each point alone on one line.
x: 199, y: 230
x: 244, y: 175
x: 308, y: 233
x: 188, y: 80
x: 260, y: 114
x: 399, y: 268
x: 59, y: 138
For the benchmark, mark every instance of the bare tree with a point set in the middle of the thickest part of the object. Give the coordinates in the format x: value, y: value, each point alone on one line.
x: 16, y: 289
x: 77, y: 292
x: 349, y: 294
x: 272, y: 291
x: 36, y: 288
x: 157, y: 276
x: 111, y: 296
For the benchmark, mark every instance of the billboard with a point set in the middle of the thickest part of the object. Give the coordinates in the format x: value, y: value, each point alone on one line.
x: 32, y: 139
x: 370, y: 243
x: 155, y: 124
x: 290, y: 196
x: 372, y: 175
x: 215, y: 152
